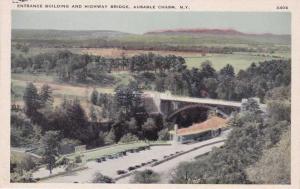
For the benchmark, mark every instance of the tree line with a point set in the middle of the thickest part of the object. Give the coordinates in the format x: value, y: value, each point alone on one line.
x: 205, y: 82
x: 134, y: 45
x: 84, y: 68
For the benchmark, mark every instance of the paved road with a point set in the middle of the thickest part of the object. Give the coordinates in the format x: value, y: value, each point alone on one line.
x: 110, y: 167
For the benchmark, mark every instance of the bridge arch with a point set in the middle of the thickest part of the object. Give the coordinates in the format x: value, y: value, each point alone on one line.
x: 192, y: 106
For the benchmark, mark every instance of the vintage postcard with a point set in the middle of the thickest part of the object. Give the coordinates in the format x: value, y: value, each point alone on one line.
x: 176, y: 93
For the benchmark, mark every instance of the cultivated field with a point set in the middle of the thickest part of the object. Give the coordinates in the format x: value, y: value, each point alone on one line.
x: 194, y: 59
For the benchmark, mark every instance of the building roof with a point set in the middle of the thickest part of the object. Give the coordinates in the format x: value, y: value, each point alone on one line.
x: 212, y: 123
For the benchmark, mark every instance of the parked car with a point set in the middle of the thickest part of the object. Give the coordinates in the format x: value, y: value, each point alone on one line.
x: 131, y: 168
x: 110, y: 157
x: 120, y: 172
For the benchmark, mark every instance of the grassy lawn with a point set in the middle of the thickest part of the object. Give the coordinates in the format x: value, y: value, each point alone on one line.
x: 16, y: 157
x: 110, y: 150
x: 122, y: 77
x: 113, y: 149
x: 33, y: 77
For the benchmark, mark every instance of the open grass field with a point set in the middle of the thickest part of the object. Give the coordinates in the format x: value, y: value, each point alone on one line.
x: 238, y: 60
x: 204, y: 39
x: 60, y: 90
x: 122, y: 77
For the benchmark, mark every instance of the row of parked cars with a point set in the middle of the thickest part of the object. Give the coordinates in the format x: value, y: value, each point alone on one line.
x: 131, y: 168
x: 121, y: 154
x: 168, y: 156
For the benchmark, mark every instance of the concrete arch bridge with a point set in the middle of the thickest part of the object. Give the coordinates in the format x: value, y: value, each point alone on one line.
x: 177, y: 108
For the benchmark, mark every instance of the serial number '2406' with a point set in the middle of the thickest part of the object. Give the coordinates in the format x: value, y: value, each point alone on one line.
x: 282, y: 7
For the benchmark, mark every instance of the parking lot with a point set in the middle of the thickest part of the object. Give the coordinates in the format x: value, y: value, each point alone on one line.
x: 110, y: 167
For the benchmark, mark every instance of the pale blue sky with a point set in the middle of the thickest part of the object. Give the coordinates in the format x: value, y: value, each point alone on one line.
x: 140, y: 22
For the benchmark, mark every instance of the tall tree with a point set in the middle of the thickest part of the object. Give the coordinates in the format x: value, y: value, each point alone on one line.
x: 110, y: 138
x: 46, y: 95
x: 93, y: 114
x: 50, y: 142
x: 128, y: 98
x: 31, y: 99
x: 207, y: 70
x: 226, y: 86
x: 150, y: 129
x: 94, y: 97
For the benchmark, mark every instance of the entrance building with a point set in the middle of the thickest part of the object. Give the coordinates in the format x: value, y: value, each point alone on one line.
x: 200, y: 131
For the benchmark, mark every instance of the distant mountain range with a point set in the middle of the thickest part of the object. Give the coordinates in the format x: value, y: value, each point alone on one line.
x: 208, y: 31
x: 64, y: 34
x: 185, y: 37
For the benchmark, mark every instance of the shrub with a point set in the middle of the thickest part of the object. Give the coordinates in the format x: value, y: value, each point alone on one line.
x: 78, y: 159
x: 99, y: 178
x: 21, y: 176
x: 67, y: 145
x: 23, y: 131
x: 63, y: 161
x: 70, y: 166
x: 146, y: 176
x: 110, y: 138
x: 28, y: 163
x: 128, y: 138
x: 164, y: 134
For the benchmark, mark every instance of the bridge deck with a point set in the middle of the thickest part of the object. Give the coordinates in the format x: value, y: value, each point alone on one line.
x: 169, y: 97
x: 200, y: 100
